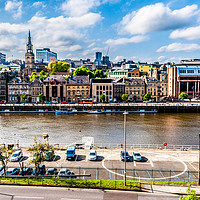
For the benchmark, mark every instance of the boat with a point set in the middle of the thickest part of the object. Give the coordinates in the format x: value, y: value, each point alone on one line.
x: 63, y: 112
x: 94, y: 112
x: 144, y: 111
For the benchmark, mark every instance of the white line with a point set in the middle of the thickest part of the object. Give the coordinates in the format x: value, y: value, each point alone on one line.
x: 151, y: 162
x: 143, y: 177
x: 134, y: 163
x: 25, y: 197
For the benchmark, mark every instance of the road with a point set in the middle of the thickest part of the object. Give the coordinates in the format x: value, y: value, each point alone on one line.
x: 50, y: 193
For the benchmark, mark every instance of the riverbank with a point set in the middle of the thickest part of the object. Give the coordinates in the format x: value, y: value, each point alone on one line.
x: 172, y: 107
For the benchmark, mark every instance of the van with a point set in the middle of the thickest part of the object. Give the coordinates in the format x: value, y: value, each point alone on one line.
x: 70, y: 153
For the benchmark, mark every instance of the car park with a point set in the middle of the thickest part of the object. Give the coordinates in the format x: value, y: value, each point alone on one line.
x: 122, y: 156
x: 93, y: 155
x: 50, y: 156
x: 137, y: 156
x: 51, y: 171
x: 26, y: 171
x: 16, y: 156
x: 70, y: 153
x: 65, y: 172
x: 12, y: 171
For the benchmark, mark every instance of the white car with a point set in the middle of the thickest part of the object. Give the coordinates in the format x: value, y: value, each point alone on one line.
x: 17, y: 155
x: 93, y: 155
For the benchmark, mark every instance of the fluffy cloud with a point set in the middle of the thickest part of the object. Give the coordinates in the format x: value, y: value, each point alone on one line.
x: 179, y: 47
x: 192, y: 33
x: 78, y: 7
x: 124, y: 41
x: 156, y: 17
x: 118, y: 58
x: 39, y: 4
x: 14, y: 7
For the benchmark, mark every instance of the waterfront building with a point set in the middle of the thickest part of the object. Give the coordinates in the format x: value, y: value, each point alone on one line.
x: 147, y: 69
x: 102, y: 86
x: 118, y: 89
x: 36, y: 88
x: 184, y: 77
x: 17, y: 87
x: 3, y: 86
x: 78, y: 88
x: 29, y: 56
x: 157, y: 89
x: 135, y: 89
x: 2, y: 58
x: 44, y: 55
x: 54, y: 88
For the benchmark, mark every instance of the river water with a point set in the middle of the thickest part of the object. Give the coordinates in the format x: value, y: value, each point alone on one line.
x: 178, y: 129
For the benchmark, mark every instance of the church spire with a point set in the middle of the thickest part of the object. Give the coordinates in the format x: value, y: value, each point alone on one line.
x: 29, y: 37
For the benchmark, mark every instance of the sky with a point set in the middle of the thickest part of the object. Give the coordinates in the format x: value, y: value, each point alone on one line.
x: 139, y: 30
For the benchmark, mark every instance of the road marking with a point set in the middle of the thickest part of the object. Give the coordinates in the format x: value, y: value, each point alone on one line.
x: 149, y: 174
x: 84, y: 174
x: 162, y: 175
x: 190, y: 176
x: 143, y: 178
x: 190, y: 163
x: 151, y: 163
x: 134, y: 163
x: 25, y: 197
x: 76, y: 158
x: 175, y: 175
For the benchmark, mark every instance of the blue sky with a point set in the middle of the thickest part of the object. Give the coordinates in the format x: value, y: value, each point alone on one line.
x: 133, y: 29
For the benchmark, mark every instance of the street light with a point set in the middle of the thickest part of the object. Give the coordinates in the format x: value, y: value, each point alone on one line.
x: 125, y: 113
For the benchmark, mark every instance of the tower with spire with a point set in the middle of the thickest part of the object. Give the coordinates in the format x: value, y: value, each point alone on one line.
x: 29, y: 56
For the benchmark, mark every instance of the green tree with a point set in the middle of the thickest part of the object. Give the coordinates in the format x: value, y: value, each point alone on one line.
x: 124, y: 97
x: 5, y: 154
x: 39, y: 150
x: 191, y: 195
x: 183, y: 96
x: 33, y: 76
x: 59, y: 66
x: 147, y: 97
x: 41, y: 97
x: 102, y: 97
x: 23, y: 97
x: 53, y: 72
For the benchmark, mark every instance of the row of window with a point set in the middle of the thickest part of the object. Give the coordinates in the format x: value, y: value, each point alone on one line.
x: 135, y: 88
x: 17, y: 92
x: 83, y: 93
x: 103, y: 87
x: 107, y: 93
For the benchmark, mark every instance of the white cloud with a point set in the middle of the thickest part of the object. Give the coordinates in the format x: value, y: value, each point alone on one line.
x: 118, y: 58
x: 14, y: 7
x: 78, y: 7
x: 75, y: 48
x: 179, y: 47
x: 124, y: 41
x: 192, y: 33
x: 39, y: 4
x: 161, y: 59
x: 156, y: 17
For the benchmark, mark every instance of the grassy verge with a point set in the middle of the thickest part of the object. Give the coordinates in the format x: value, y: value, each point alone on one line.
x: 82, y: 183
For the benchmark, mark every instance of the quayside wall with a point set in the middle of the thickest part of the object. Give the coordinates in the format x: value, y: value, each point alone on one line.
x: 186, y: 107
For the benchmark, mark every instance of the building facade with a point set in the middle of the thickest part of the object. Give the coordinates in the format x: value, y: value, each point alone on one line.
x: 44, y: 55
x: 36, y: 88
x: 2, y: 58
x: 3, y: 86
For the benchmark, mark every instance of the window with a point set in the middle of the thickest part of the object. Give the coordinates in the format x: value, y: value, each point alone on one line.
x: 190, y: 71
x: 97, y: 87
x: 182, y: 71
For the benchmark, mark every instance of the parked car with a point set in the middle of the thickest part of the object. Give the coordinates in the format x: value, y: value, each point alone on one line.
x: 50, y: 156
x: 16, y: 156
x: 40, y: 170
x: 65, y: 172
x: 64, y: 102
x: 54, y: 102
x: 70, y: 153
x: 1, y: 170
x: 38, y: 155
x: 51, y: 171
x: 122, y: 156
x: 26, y: 171
x: 47, y: 102
x: 12, y: 171
x: 93, y: 155
x: 137, y: 156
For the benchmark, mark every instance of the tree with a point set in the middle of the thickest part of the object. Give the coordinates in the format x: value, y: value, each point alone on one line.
x: 39, y: 150
x: 33, y: 76
x: 23, y: 97
x: 183, y: 96
x: 147, y: 97
x: 41, y: 97
x: 102, y: 97
x: 124, y: 97
x: 191, y: 195
x: 59, y: 66
x: 5, y: 154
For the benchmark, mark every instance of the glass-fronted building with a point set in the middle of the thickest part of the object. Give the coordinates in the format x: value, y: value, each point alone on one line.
x: 2, y: 58
x: 44, y: 55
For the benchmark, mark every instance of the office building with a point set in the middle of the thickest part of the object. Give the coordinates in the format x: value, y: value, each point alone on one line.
x: 2, y: 58
x: 44, y: 55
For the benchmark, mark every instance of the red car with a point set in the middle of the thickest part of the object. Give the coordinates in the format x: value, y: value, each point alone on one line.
x: 64, y: 102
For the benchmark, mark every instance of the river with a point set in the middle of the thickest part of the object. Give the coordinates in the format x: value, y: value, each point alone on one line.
x: 177, y: 129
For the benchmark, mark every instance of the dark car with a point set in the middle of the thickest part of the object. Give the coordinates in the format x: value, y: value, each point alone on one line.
x: 122, y: 156
x: 26, y: 171
x: 12, y: 171
x: 65, y: 172
x: 50, y: 156
x: 51, y: 171
x: 40, y: 170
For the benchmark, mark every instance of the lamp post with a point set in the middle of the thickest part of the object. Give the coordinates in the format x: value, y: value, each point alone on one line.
x: 199, y: 162
x: 125, y: 113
